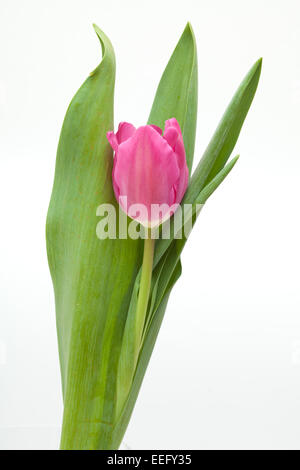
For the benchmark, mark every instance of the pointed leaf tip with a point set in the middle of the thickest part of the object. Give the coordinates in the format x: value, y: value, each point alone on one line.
x: 256, y: 68
x: 189, y: 32
x: 188, y: 27
x: 106, y: 45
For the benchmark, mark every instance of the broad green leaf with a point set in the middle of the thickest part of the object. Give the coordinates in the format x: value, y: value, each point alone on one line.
x: 92, y: 278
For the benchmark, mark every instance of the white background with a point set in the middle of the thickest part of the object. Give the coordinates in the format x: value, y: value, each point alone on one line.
x: 225, y: 372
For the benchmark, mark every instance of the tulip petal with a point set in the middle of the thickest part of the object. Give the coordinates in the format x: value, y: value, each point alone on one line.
x: 173, y: 123
x: 158, y: 129
x: 182, y: 184
x: 172, y: 126
x: 125, y: 131
x: 146, y: 170
x: 174, y: 137
x: 171, y: 136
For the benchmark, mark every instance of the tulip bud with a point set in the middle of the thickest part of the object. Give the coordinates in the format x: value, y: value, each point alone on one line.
x: 150, y: 174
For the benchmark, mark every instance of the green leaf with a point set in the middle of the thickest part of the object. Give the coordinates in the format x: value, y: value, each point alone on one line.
x: 177, y: 92
x: 221, y: 144
x: 224, y: 139
x: 92, y: 278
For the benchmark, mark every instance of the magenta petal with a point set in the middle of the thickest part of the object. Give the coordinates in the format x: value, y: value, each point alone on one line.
x: 146, y: 169
x: 173, y: 123
x: 172, y: 127
x: 150, y: 170
x: 182, y: 184
x: 171, y: 136
x: 125, y: 131
x: 158, y: 129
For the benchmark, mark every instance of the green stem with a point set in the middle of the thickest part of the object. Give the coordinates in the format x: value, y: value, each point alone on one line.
x: 145, y: 285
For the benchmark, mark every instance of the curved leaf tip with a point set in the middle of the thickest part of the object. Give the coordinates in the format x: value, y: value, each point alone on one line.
x: 108, y: 53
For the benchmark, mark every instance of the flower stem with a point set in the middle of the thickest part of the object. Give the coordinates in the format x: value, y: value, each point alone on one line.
x: 145, y: 285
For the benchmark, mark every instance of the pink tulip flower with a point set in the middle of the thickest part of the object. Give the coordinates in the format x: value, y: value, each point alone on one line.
x: 150, y: 174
